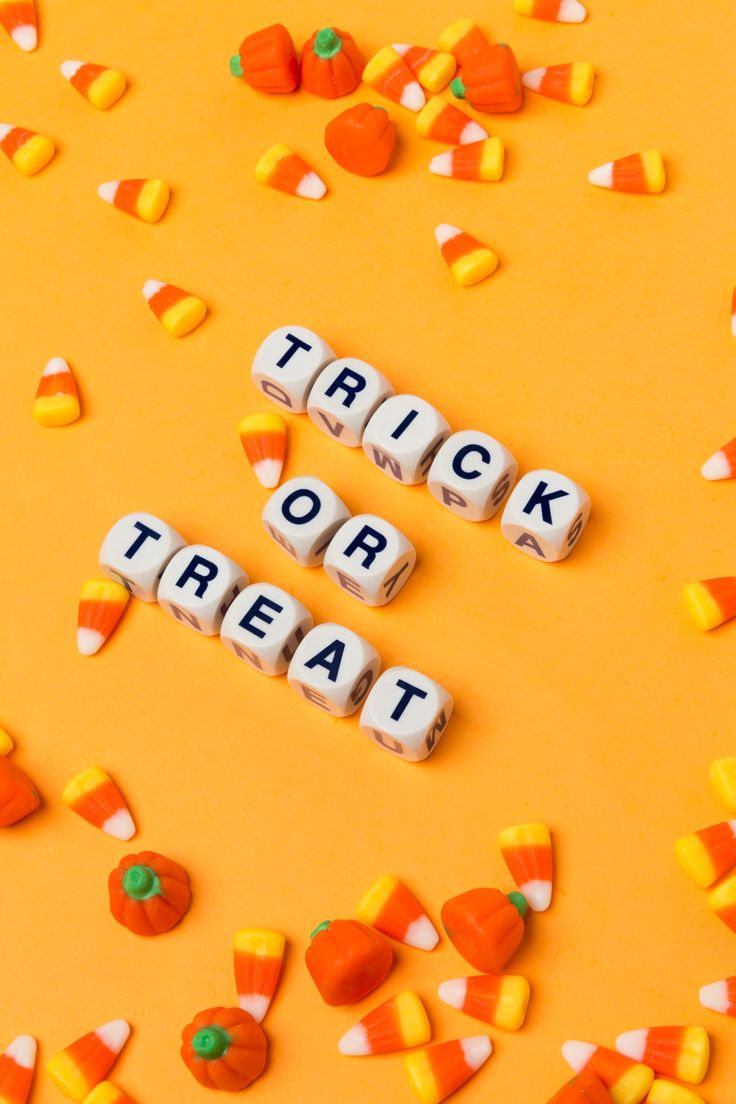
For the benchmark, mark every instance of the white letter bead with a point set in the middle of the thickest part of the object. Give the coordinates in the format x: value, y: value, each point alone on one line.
x: 264, y: 626
x: 287, y: 364
x: 545, y: 515
x: 303, y: 516
x: 136, y: 551
x: 344, y: 396
x: 403, y: 437
x: 334, y: 669
x: 370, y: 559
x: 406, y: 713
x: 198, y: 586
x: 472, y: 474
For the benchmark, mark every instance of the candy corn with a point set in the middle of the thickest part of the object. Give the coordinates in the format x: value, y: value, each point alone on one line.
x: 722, y: 900
x: 178, y: 312
x: 397, y: 1024
x: 666, y: 1092
x: 722, y: 464
x: 145, y: 199
x: 527, y: 852
x: 17, y: 1063
x: 107, y: 1093
x: 585, y: 1088
x: 464, y: 40
x: 20, y: 20
x: 439, y: 1070
x: 720, y: 996
x: 101, y: 605
x: 723, y: 781
x: 287, y: 172
x: 57, y: 397
x: 469, y: 260
x: 101, y: 86
x: 93, y: 795
x: 29, y: 152
x: 443, y: 122
x: 389, y: 74
x: 627, y: 1081
x: 554, y: 11
x: 481, y: 160
x: 434, y: 69
x: 259, y: 954
x: 6, y: 742
x: 681, y: 1052
x: 711, y: 602
x: 263, y: 436
x: 639, y: 172
x: 571, y: 83
x: 498, y: 999
x: 708, y: 854
x: 83, y: 1064
x: 393, y: 910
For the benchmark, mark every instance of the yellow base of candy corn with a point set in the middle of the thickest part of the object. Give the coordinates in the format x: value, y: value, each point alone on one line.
x: 56, y: 410
x: 437, y: 73
x: 415, y: 1026
x: 723, y: 781
x: 474, y: 267
x: 694, y: 860
x: 633, y: 1085
x: 104, y: 1093
x: 106, y: 89
x: 513, y: 1004
x: 153, y: 200
x: 6, y: 744
x: 421, y: 1078
x: 667, y: 1092
x: 581, y: 84
x: 34, y: 155
x: 184, y: 316
x: 68, y: 1077
x: 701, y: 606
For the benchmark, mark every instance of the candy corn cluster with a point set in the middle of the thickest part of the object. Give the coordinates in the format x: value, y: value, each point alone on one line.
x: 79, y: 1071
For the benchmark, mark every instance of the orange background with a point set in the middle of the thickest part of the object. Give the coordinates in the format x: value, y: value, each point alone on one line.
x: 584, y: 697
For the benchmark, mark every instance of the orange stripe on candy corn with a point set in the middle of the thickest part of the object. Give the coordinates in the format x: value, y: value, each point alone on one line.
x: 681, y: 1052
x: 527, y: 852
x: 554, y: 11
x: 498, y: 999
x: 437, y: 1072
x: 388, y: 73
x: 83, y: 74
x: 101, y: 605
x: 93, y: 795
x: 627, y: 1081
x: 464, y: 40
x: 641, y: 173
x: 286, y: 171
x: 481, y: 160
x: 393, y: 909
x: 571, y: 83
x: 17, y: 1064
x: 722, y: 900
x: 443, y: 122
x: 81, y: 1066
x: 258, y: 957
x: 397, y: 1024
x: 20, y: 20
x: 720, y: 996
x: 722, y: 464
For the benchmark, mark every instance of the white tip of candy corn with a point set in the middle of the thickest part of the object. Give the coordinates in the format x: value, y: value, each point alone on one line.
x: 538, y: 894
x: 69, y: 69
x: 5, y: 129
x: 255, y: 1003
x: 533, y: 79
x: 441, y: 165
x: 120, y: 825
x: 715, y: 996
x: 108, y: 191
x: 413, y: 96
x: 89, y: 641
x: 716, y: 467
x: 472, y: 132
x: 633, y: 1044
x: 151, y: 287
x: 354, y: 1042
x: 453, y: 992
x: 421, y: 934
x: 477, y: 1049
x: 445, y: 232
x: 577, y: 1055
x: 23, y: 1051
x: 311, y: 186
x: 26, y: 37
x: 602, y: 177
x: 571, y: 11
x: 114, y: 1034
x: 268, y: 472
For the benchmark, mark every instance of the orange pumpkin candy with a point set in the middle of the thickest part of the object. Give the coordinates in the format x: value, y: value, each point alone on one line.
x: 586, y: 1088
x: 332, y: 64
x: 149, y: 894
x: 267, y: 60
x: 347, y: 960
x: 491, y: 81
x: 485, y: 926
x: 361, y: 139
x: 18, y: 795
x: 224, y: 1048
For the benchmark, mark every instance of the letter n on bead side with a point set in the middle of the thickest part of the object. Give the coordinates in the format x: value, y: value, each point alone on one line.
x: 406, y: 713
x: 545, y: 515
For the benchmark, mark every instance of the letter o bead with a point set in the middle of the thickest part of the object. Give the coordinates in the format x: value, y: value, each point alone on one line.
x: 197, y: 587
x: 406, y: 713
x: 334, y: 668
x: 545, y: 515
x: 303, y: 516
x: 472, y: 474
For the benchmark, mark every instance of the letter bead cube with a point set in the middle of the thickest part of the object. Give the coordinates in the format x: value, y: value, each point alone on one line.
x: 472, y: 474
x: 344, y: 396
x: 403, y: 437
x: 264, y: 626
x: 136, y: 551
x: 198, y: 586
x: 370, y: 559
x: 334, y: 669
x: 545, y: 515
x: 303, y: 516
x: 406, y: 713
x: 287, y: 364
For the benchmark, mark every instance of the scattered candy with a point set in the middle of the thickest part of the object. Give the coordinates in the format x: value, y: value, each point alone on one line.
x: 29, y: 152
x: 267, y: 60
x: 722, y: 464
x: 145, y: 199
x: 527, y: 852
x: 263, y: 436
x: 17, y: 1063
x: 434, y: 69
x: 443, y: 122
x: 464, y: 40
x: 347, y: 960
x: 397, y: 1024
x: 723, y: 780
x: 224, y: 1048
x: 586, y: 1088
x: 93, y: 795
x: 722, y: 900
x: 468, y: 259
x: 83, y: 1064
x: 149, y: 894
x: 57, y: 397
x: 103, y: 87
x: 554, y: 11
x: 361, y: 139
x: 18, y: 795
x: 20, y: 20
x: 497, y: 999
x: 394, y: 910
x: 720, y: 996
x: 666, y: 1092
x: 389, y: 74
x: 571, y: 83
x: 259, y: 955
x: 711, y: 602
x: 178, y: 312
x: 485, y: 926
x: 286, y: 171
x: 437, y: 1072
x: 707, y: 855
x: 491, y: 81
x: 681, y: 1052
x: 101, y: 605
x: 331, y: 64
x: 639, y: 172
x: 481, y: 160
x: 627, y: 1081
x: 107, y: 1093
